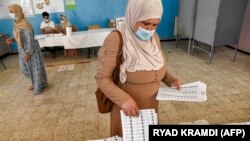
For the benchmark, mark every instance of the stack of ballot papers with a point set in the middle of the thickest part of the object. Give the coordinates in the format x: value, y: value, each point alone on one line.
x: 195, y: 91
x: 240, y: 123
x: 41, y: 36
x: 114, y: 138
x: 136, y: 128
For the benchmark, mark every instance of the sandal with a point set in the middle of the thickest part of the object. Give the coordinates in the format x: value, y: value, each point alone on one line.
x: 30, y: 87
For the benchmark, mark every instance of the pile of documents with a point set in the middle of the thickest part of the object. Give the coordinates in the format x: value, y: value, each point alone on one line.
x: 69, y: 67
x: 240, y: 123
x: 43, y: 36
x: 136, y: 128
x: 195, y: 91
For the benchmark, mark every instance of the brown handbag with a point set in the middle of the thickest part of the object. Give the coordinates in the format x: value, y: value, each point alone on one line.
x: 104, y: 103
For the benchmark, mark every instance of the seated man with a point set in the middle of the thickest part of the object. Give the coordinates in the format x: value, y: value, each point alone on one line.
x: 47, y: 26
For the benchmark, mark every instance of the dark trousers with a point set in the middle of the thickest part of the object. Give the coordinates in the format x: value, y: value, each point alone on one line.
x: 52, y: 50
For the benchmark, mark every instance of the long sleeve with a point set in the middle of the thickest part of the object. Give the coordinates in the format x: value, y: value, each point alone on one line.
x: 27, y: 40
x: 106, y: 64
x: 169, y: 78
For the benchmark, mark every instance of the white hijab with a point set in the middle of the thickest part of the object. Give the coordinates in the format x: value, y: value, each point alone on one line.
x: 139, y: 55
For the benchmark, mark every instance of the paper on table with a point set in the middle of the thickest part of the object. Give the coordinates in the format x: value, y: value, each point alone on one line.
x: 41, y: 36
x: 195, y: 91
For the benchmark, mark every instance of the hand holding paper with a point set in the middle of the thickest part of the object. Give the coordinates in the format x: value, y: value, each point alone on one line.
x: 195, y: 91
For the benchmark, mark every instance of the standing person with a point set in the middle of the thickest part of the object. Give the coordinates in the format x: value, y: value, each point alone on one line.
x: 30, y: 58
x: 66, y: 23
x: 48, y: 27
x: 143, y: 67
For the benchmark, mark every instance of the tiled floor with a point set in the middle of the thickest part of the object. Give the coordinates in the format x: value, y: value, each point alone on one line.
x: 67, y: 111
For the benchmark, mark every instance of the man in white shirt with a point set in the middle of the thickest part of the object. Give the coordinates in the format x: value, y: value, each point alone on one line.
x: 47, y: 26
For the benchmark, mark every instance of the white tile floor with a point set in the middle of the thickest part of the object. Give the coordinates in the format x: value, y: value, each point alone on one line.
x: 67, y: 109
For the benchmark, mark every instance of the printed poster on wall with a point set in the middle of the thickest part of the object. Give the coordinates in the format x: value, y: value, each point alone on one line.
x: 70, y: 4
x: 26, y: 5
x: 50, y: 6
x: 28, y: 8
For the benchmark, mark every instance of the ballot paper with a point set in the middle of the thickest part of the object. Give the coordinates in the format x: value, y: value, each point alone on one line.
x: 195, y: 92
x: 239, y: 123
x: 136, y: 128
x: 42, y: 36
x: 69, y: 67
x: 114, y: 138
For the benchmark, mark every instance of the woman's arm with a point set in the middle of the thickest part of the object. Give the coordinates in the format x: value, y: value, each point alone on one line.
x: 27, y: 39
x: 106, y: 64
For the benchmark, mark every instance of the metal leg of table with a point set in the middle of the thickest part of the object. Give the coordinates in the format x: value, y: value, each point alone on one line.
x: 2, y: 63
x: 189, y: 45
x: 192, y: 47
x: 176, y: 41
x: 235, y: 52
x: 211, y: 54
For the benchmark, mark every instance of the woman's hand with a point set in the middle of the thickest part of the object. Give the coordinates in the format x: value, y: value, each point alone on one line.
x: 176, y: 83
x: 27, y: 57
x: 130, y: 108
x: 9, y: 41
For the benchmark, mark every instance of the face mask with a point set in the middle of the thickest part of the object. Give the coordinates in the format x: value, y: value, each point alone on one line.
x: 144, y: 34
x: 46, y: 21
x: 12, y: 15
x: 62, y: 21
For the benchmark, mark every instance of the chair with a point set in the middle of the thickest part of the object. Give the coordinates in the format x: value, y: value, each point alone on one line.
x: 94, y: 27
x: 91, y: 27
x: 74, y: 28
x: 2, y: 63
x: 4, y: 47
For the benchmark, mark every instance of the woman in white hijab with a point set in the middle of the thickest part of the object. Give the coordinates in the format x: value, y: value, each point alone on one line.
x: 143, y: 66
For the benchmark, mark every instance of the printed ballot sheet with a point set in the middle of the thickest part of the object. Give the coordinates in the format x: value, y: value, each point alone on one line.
x: 195, y: 92
x: 114, y: 138
x: 136, y: 128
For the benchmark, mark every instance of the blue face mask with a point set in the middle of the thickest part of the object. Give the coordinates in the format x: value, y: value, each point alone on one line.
x: 144, y: 34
